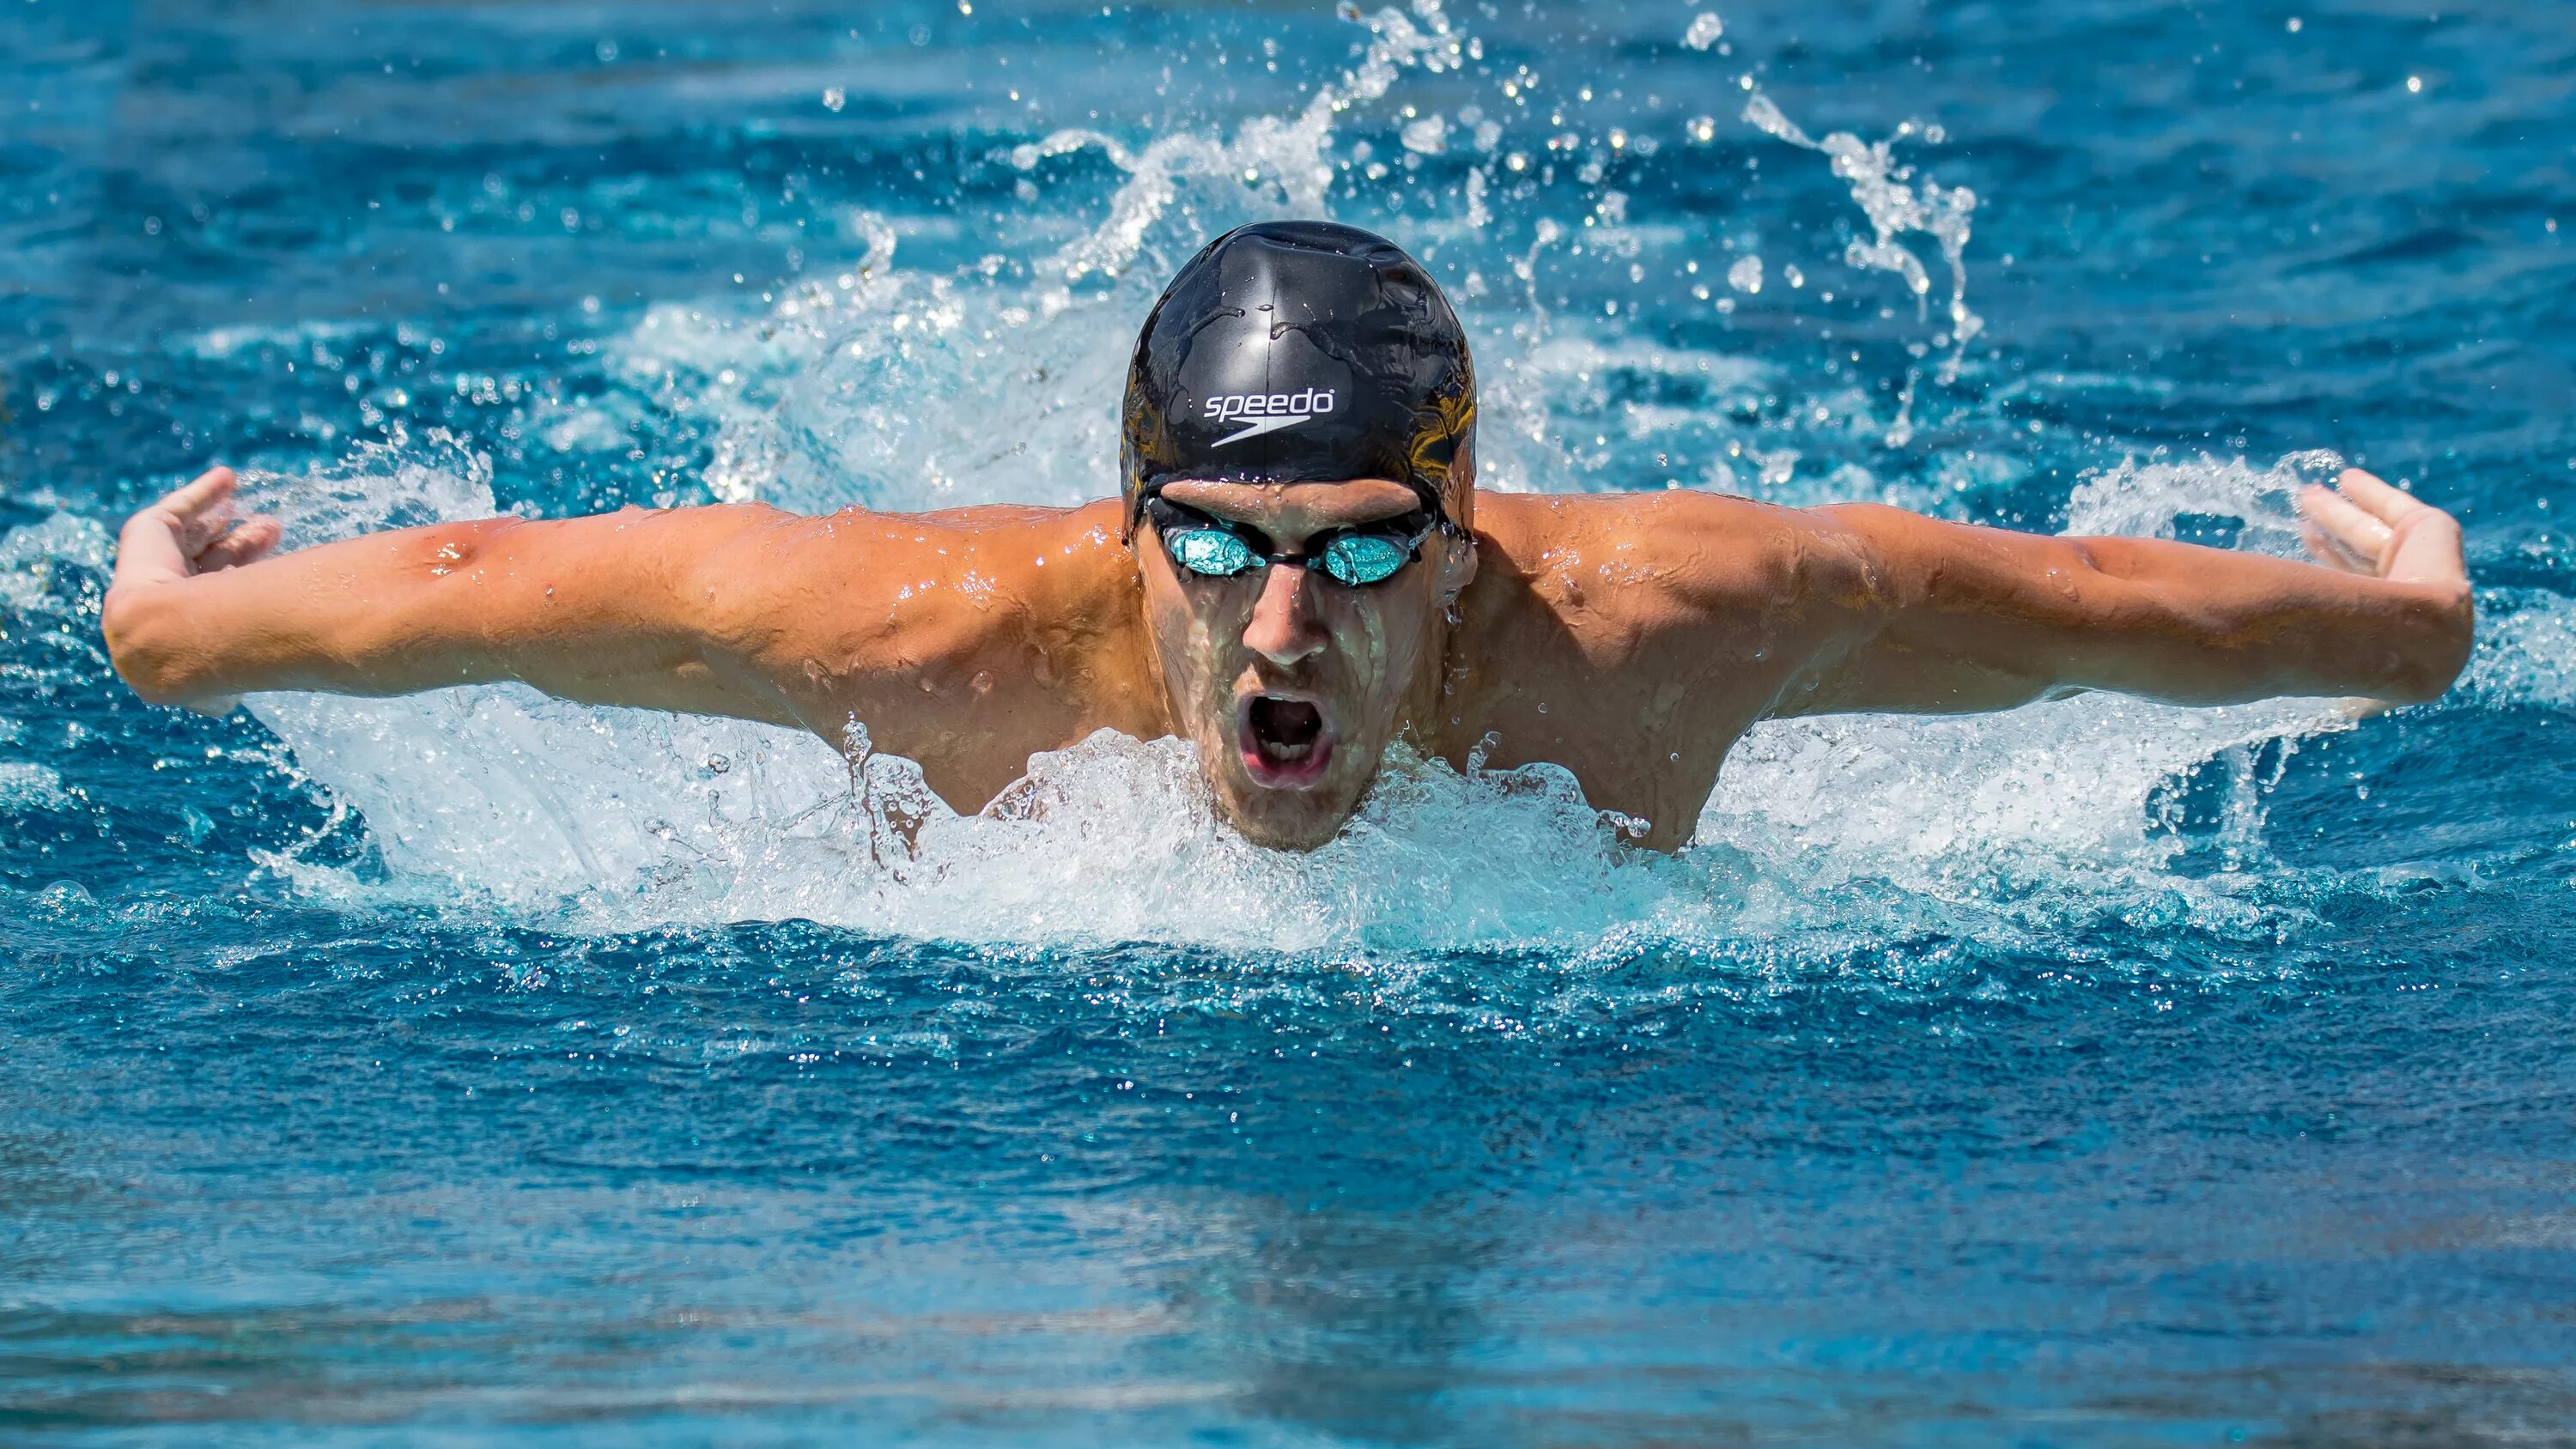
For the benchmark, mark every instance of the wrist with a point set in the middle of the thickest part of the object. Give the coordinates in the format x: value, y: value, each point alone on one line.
x: 2438, y: 632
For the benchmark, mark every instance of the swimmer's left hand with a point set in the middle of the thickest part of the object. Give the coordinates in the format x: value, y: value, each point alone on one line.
x: 190, y: 531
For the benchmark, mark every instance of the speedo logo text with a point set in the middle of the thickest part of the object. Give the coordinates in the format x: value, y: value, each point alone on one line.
x: 1267, y: 412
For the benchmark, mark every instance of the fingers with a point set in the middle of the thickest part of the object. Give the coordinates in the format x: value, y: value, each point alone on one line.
x: 2359, y: 535
x: 2409, y: 540
x: 198, y: 531
x: 209, y: 487
x: 162, y: 542
x: 2322, y: 547
x: 2429, y: 550
x: 2388, y: 505
x: 246, y: 544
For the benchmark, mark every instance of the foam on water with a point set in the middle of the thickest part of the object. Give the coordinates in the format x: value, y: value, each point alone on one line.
x: 885, y: 387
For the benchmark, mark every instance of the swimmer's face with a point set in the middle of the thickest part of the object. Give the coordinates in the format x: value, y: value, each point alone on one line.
x: 1288, y: 683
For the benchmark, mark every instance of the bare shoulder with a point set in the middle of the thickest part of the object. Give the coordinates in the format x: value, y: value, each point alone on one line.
x: 1632, y: 637
x: 1673, y: 555
x: 932, y: 622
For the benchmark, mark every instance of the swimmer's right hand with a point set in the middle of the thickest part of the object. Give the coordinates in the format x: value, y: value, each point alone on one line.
x: 192, y: 531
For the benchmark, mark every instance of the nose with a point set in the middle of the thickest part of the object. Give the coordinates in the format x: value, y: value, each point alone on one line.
x: 1283, y: 628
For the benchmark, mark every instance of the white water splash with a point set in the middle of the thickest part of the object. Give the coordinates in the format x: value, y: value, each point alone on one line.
x: 2526, y: 651
x: 33, y: 558
x: 25, y: 787
x: 1896, y: 206
x: 48, y: 578
x: 2146, y: 498
x: 872, y: 386
x: 2056, y: 792
x: 1285, y: 157
x: 876, y: 386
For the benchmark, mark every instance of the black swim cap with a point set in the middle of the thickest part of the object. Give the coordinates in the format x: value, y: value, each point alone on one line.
x: 1301, y: 352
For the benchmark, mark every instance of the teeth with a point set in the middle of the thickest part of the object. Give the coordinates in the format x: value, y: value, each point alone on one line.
x: 1274, y: 716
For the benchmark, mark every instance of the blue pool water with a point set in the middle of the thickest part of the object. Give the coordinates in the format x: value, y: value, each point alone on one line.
x: 475, y: 1068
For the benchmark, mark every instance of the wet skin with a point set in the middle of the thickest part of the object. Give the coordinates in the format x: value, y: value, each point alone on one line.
x: 1631, y: 638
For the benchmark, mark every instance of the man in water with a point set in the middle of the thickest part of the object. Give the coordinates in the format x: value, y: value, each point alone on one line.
x: 1299, y: 573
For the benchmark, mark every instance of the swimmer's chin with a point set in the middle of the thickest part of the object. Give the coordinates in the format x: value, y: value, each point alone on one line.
x: 1285, y: 819
x: 1299, y: 835
x: 1280, y: 788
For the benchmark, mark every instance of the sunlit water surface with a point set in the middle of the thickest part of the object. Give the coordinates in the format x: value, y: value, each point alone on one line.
x: 474, y: 1067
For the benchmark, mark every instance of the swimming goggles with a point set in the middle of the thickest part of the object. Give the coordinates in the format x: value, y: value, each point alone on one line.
x: 1218, y: 548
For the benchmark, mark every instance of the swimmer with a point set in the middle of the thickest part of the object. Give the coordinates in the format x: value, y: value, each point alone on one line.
x: 1300, y: 571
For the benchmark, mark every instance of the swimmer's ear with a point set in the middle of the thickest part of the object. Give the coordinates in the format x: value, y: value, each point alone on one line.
x: 1457, y: 564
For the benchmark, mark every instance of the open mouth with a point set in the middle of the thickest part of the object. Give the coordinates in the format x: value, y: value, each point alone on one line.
x: 1285, y: 741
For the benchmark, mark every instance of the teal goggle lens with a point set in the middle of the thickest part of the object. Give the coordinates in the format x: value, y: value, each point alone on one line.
x: 1211, y: 553
x: 1363, y: 558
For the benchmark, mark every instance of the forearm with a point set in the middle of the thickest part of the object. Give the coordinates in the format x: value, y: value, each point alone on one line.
x: 417, y: 609
x: 2198, y: 625
x: 1971, y: 619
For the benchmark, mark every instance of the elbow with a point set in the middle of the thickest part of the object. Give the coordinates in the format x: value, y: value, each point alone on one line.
x: 2416, y: 686
x: 143, y: 637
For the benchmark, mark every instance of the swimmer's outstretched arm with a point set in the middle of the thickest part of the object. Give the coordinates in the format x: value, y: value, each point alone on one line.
x: 1950, y: 618
x: 920, y: 625
x: 591, y: 609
